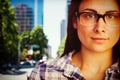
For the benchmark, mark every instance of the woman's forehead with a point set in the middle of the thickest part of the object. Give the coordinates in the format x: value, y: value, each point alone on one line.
x: 99, y: 5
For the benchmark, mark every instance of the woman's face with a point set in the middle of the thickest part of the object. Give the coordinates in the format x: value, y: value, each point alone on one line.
x: 100, y: 35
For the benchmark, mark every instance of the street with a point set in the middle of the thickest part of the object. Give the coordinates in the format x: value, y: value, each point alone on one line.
x: 21, y: 74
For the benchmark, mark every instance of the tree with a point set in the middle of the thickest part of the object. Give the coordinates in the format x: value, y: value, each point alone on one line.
x: 23, y: 54
x: 61, y: 47
x: 37, y: 37
x: 8, y: 33
x: 25, y: 39
x: 24, y: 43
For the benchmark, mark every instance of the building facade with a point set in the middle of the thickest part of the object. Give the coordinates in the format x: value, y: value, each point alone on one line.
x: 25, y: 17
x: 33, y: 8
x: 64, y: 22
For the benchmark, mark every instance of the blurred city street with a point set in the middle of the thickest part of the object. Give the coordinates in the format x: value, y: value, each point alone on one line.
x: 19, y: 74
x: 28, y: 34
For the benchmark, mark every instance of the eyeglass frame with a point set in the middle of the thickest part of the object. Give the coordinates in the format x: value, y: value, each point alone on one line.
x: 98, y: 15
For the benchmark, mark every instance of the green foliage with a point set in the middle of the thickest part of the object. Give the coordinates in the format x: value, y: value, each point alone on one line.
x: 23, y: 54
x: 25, y: 39
x: 61, y: 47
x: 36, y: 55
x: 37, y: 37
x: 8, y: 33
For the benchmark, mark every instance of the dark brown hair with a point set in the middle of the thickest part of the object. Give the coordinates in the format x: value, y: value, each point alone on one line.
x: 72, y: 41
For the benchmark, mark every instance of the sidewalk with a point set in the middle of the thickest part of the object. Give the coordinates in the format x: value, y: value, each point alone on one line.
x: 21, y: 74
x: 18, y: 74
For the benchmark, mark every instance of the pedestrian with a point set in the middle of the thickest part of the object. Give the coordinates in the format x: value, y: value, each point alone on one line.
x: 92, y: 48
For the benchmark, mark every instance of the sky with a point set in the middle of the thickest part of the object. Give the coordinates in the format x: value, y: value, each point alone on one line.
x: 54, y: 11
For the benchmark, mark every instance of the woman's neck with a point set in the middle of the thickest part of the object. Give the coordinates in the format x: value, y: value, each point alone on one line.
x: 92, y: 62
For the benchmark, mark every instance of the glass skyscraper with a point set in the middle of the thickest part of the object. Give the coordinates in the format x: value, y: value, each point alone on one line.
x: 25, y: 17
x: 29, y: 13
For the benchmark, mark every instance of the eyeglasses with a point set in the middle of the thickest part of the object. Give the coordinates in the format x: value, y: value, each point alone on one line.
x: 91, y: 18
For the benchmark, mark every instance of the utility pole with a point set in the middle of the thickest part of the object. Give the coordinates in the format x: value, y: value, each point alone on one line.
x: 19, y: 50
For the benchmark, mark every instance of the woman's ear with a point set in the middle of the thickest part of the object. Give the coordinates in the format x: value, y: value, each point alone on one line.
x: 75, y: 25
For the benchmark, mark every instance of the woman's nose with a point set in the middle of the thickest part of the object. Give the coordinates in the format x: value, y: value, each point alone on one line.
x: 100, y: 26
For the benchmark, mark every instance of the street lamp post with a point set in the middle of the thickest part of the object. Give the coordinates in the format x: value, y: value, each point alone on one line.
x: 19, y: 51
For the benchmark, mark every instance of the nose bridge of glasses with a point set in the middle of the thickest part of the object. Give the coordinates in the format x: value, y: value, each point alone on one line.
x: 101, y: 16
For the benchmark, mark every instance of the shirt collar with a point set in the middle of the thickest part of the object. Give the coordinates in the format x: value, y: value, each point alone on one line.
x: 67, y: 68
x: 64, y: 65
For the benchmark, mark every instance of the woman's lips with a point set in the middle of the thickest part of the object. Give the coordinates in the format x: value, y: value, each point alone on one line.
x: 99, y: 39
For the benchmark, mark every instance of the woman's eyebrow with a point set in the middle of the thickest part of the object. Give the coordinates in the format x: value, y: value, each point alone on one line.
x: 112, y: 11
x: 92, y: 10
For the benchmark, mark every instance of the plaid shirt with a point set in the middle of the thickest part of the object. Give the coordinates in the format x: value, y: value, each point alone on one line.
x: 63, y: 69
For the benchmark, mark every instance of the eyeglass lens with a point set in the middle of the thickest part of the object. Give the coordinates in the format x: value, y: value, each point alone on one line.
x: 90, y: 18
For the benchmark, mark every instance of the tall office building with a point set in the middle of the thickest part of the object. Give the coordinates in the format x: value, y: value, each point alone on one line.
x: 64, y: 22
x: 25, y: 17
x: 63, y: 29
x: 33, y: 9
x: 68, y: 6
x: 68, y: 3
x: 38, y: 12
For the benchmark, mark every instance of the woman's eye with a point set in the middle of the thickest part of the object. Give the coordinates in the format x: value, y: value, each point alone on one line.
x: 113, y: 16
x: 110, y: 16
x: 89, y: 15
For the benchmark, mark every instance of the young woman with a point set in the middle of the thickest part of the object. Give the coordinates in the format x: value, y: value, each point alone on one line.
x: 92, y: 49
